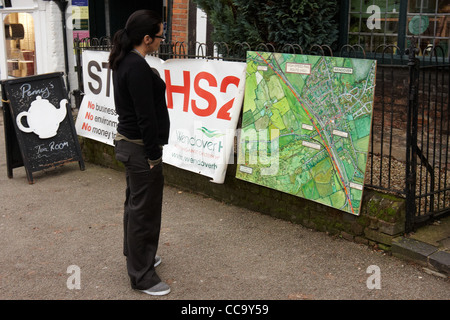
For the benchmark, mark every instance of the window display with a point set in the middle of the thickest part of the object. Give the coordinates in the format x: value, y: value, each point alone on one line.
x: 20, y: 44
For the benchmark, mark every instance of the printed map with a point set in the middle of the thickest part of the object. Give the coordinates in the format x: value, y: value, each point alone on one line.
x: 306, y: 126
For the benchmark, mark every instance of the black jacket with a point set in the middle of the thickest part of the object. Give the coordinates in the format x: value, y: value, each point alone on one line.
x: 139, y: 96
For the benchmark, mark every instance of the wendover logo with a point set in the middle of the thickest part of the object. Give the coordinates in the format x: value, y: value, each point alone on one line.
x: 209, y: 133
x: 199, y: 142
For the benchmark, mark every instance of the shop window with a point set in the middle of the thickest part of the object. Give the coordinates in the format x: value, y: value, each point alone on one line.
x: 20, y: 44
x: 369, y: 32
x: 373, y: 23
x: 429, y: 22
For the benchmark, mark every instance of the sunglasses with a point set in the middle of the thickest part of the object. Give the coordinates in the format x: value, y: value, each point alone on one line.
x: 160, y: 37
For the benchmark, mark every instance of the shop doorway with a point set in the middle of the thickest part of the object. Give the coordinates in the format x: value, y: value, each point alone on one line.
x: 20, y: 44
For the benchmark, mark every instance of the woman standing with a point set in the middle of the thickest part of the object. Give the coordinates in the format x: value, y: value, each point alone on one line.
x: 143, y: 129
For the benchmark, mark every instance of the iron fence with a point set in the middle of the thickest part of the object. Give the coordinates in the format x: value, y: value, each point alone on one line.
x: 429, y: 111
x: 409, y: 143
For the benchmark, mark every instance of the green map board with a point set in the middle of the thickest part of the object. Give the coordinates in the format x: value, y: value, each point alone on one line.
x: 306, y: 126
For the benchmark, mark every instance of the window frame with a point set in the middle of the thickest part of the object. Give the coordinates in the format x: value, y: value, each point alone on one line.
x: 402, y: 34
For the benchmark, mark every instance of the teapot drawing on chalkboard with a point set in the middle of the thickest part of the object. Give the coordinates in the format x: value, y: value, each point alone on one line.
x: 43, y: 118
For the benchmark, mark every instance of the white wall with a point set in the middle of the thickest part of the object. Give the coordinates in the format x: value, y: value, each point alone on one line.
x: 52, y: 28
x: 200, y: 31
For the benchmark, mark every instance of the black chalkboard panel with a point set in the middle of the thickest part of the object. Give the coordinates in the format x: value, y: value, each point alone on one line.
x: 42, y: 121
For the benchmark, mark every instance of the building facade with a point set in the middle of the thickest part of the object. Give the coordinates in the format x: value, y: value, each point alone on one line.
x: 31, y: 38
x: 374, y: 23
x: 36, y: 35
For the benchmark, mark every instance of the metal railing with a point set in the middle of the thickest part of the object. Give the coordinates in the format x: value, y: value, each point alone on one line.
x: 409, y: 143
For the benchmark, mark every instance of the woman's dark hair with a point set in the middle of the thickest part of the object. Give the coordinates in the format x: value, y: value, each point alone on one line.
x: 139, y: 24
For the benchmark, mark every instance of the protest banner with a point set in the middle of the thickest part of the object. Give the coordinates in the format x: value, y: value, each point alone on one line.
x: 204, y: 100
x: 97, y: 117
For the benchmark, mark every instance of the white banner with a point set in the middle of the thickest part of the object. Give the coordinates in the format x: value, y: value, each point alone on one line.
x: 97, y: 118
x: 204, y: 99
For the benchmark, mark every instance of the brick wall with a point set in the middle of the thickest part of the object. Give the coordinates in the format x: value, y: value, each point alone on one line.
x: 180, y: 20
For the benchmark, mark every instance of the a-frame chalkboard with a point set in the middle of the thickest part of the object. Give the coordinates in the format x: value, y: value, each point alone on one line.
x: 39, y: 128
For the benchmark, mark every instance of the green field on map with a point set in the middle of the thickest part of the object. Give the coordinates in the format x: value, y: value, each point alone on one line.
x: 306, y: 126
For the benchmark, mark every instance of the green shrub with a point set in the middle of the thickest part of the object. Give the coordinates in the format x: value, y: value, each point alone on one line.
x: 302, y: 22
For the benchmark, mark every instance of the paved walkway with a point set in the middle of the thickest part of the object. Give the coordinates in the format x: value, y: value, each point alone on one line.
x: 428, y: 246
x: 210, y: 250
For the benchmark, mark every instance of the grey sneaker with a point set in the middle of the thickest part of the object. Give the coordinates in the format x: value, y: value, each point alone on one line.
x: 157, y: 261
x: 159, y: 289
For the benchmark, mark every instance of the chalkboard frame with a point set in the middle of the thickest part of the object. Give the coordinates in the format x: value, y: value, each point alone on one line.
x: 17, y: 153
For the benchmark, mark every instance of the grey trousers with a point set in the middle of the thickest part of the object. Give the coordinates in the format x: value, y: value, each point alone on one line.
x: 142, y: 214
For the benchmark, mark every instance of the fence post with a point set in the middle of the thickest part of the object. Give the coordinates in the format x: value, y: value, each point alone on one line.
x: 411, y: 135
x: 78, y: 92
